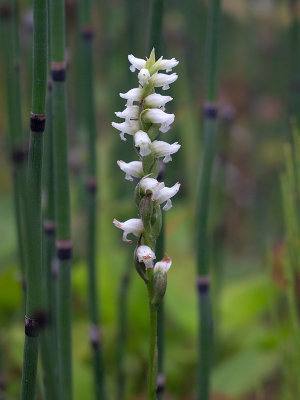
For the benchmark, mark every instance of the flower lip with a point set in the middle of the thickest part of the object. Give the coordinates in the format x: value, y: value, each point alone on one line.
x: 132, y: 169
x: 136, y: 63
x: 164, y: 264
x: 146, y: 255
x: 144, y: 76
x: 133, y: 225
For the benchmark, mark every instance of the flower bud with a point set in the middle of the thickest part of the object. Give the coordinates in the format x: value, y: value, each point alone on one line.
x: 159, y: 287
x: 140, y: 268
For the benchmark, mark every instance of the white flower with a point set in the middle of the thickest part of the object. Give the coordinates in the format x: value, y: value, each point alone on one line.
x: 164, y: 149
x: 163, y: 80
x: 131, y: 169
x: 157, y: 116
x: 165, y: 64
x: 129, y: 127
x: 146, y: 255
x: 144, y: 76
x: 165, y: 194
x: 132, y: 95
x: 133, y: 225
x: 157, y: 100
x: 150, y: 184
x: 142, y: 140
x: 163, y: 265
x: 130, y: 113
x: 137, y: 63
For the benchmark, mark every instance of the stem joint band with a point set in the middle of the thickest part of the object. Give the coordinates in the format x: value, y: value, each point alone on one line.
x: 160, y: 388
x: 87, y: 32
x: 58, y: 71
x: 210, y: 110
x: 37, y: 122
x: 203, y: 284
x: 64, y: 249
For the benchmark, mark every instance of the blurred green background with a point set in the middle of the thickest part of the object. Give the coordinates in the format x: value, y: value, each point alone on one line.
x: 255, y: 356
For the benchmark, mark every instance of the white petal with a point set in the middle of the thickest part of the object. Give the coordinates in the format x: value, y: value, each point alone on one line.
x: 164, y: 149
x: 132, y: 95
x: 165, y: 194
x: 165, y: 64
x: 131, y: 112
x: 144, y: 76
x: 145, y: 255
x: 150, y: 184
x: 157, y: 116
x: 133, y: 225
x: 129, y: 127
x: 163, y: 80
x: 157, y: 100
x: 163, y: 265
x: 131, y: 169
x: 142, y: 140
x: 137, y: 63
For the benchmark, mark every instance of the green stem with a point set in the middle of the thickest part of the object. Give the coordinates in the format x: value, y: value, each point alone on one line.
x: 89, y: 128
x: 122, y: 329
x: 35, y: 314
x: 9, y: 30
x: 62, y: 196
x: 210, y: 127
x: 152, y: 367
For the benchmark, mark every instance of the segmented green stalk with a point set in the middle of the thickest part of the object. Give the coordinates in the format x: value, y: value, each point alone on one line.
x: 203, y: 280
x: 89, y: 129
x: 35, y: 314
x: 9, y: 31
x: 62, y: 196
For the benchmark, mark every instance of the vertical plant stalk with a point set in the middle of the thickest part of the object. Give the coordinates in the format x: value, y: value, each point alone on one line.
x: 122, y: 329
x: 62, y: 196
x: 48, y: 340
x: 155, y: 41
x: 9, y: 31
x: 89, y: 128
x: 35, y: 314
x: 203, y: 280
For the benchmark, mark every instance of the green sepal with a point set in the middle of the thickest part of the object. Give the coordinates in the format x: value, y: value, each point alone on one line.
x: 146, y: 210
x: 151, y: 60
x: 156, y: 222
x: 153, y: 131
x: 151, y: 166
x: 140, y: 268
x: 159, y: 287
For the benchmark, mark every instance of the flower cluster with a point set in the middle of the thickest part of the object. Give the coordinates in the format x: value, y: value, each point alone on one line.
x: 144, y: 118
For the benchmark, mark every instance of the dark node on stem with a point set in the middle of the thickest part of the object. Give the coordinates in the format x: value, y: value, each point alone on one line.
x: 31, y: 327
x: 160, y: 384
x: 295, y: 85
x: 126, y: 279
x: 203, y: 283
x: 87, y: 32
x: 58, y: 71
x: 64, y: 249
x: 91, y: 184
x: 210, y: 110
x: 18, y: 155
x: 161, y: 173
x: 95, y: 337
x: 49, y: 227
x: 37, y: 122
x: 5, y: 11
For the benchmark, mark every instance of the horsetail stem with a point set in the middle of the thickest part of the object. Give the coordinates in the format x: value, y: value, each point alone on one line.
x: 203, y: 280
x: 9, y: 30
x: 62, y: 196
x: 36, y: 316
x: 89, y: 128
